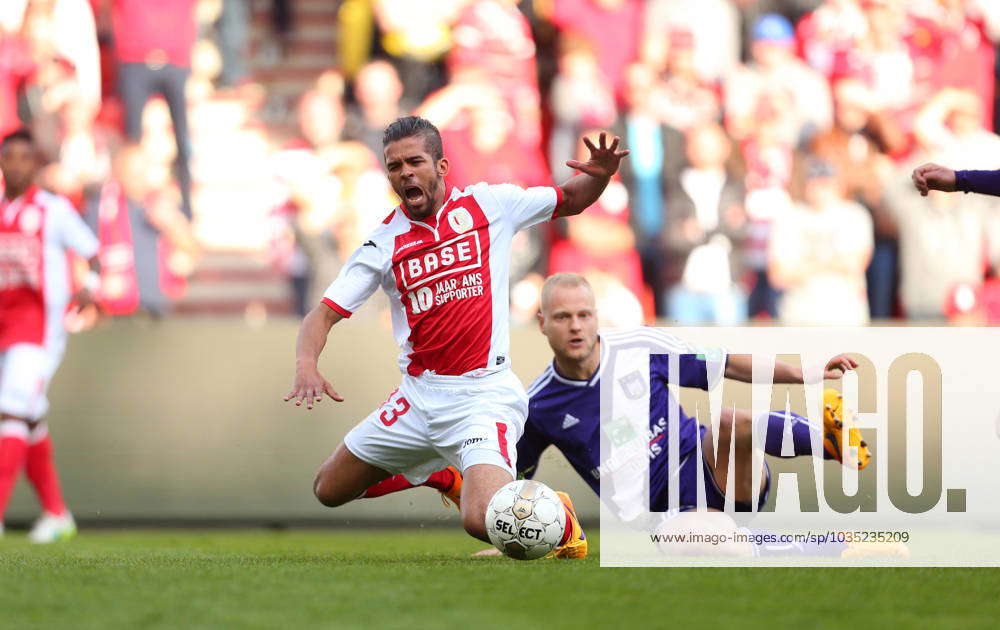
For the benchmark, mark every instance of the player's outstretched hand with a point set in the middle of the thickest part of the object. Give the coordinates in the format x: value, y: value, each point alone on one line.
x: 838, y: 366
x: 604, y: 159
x: 309, y: 388
x: 934, y: 177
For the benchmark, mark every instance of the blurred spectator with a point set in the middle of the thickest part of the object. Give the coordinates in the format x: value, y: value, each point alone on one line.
x: 713, y: 27
x: 16, y: 69
x: 952, y: 45
x: 66, y: 30
x: 611, y: 29
x: 334, y: 191
x: 706, y: 224
x: 686, y: 99
x: 768, y: 156
x: 945, y: 240
x: 582, y: 98
x: 153, y: 43
x: 416, y: 35
x: 819, y: 252
x: 951, y: 124
x: 780, y: 80
x: 378, y: 93
x: 234, y: 37
x: 854, y: 148
x: 828, y: 36
x: 601, y: 239
x: 655, y: 152
x: 478, y: 131
x: 145, y: 241
x: 493, y: 39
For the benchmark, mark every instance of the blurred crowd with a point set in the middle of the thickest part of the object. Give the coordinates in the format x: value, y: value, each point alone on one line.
x: 771, y: 142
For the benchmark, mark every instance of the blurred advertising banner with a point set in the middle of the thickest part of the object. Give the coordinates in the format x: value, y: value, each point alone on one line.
x: 927, y: 403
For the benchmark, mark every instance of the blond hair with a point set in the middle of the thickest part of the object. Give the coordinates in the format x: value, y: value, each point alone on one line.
x: 562, y: 279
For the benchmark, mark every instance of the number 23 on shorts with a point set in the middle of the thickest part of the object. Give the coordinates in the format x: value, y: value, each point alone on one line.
x: 392, y: 413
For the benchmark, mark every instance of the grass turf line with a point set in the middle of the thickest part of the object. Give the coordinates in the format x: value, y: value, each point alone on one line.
x: 425, y: 579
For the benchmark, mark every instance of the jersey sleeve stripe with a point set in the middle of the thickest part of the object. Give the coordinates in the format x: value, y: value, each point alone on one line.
x: 559, y: 200
x: 337, y: 308
x: 540, y: 382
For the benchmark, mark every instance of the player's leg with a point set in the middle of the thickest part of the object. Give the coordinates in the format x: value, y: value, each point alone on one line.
x: 343, y: 477
x: 13, y: 451
x: 391, y: 440
x: 23, y: 380
x: 836, y: 422
x: 735, y: 441
x: 447, y: 481
x: 480, y: 483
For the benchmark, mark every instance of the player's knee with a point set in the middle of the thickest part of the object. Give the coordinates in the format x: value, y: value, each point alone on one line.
x: 736, y: 423
x: 326, y: 492
x: 743, y: 427
x: 474, y: 521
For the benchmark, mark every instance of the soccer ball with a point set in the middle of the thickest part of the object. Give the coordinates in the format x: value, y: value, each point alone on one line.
x: 525, y: 520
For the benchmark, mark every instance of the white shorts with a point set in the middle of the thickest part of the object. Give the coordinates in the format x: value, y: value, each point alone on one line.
x: 432, y: 421
x: 25, y: 372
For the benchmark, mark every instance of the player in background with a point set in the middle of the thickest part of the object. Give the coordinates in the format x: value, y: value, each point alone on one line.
x: 935, y: 177
x: 564, y: 408
x: 442, y: 256
x: 36, y: 229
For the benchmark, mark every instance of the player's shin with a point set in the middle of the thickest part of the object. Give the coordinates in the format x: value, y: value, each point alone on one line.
x: 772, y: 426
x: 13, y: 450
x: 41, y: 470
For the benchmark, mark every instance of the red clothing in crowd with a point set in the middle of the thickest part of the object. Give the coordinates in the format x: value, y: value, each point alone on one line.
x: 963, y: 57
x: 144, y: 28
x: 510, y: 163
x: 614, y: 34
x: 16, y: 67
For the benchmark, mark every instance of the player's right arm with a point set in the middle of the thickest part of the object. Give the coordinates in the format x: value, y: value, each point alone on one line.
x: 358, y: 279
x: 309, y: 385
x: 935, y: 177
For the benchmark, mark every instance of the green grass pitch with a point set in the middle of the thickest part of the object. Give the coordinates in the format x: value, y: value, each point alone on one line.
x: 424, y: 578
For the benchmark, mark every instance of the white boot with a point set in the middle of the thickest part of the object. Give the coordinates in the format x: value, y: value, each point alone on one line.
x: 49, y: 528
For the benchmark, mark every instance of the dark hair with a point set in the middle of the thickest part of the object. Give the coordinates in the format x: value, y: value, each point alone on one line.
x: 21, y: 135
x: 410, y: 126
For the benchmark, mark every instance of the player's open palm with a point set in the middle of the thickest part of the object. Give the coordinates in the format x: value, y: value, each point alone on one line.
x: 604, y: 159
x: 309, y: 388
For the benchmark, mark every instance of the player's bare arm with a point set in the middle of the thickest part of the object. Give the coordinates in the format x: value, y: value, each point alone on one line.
x: 90, y: 286
x: 739, y: 367
x: 581, y: 191
x: 309, y: 385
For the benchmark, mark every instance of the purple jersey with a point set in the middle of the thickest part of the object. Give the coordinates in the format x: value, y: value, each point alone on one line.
x: 566, y: 413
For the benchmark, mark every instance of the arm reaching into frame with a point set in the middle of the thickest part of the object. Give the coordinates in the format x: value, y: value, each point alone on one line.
x: 583, y: 190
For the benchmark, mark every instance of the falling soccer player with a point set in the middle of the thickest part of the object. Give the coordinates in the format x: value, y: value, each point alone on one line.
x: 442, y: 256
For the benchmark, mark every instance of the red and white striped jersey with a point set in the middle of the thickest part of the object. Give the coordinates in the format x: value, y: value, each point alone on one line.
x: 447, y: 277
x: 36, y: 229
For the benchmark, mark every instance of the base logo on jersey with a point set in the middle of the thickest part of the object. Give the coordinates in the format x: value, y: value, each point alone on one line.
x: 458, y: 254
x: 460, y: 220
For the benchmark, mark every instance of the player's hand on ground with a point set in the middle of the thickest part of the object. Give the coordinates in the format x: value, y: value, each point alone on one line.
x: 604, y: 159
x: 838, y: 366
x: 309, y: 388
x: 934, y: 177
x: 492, y: 551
